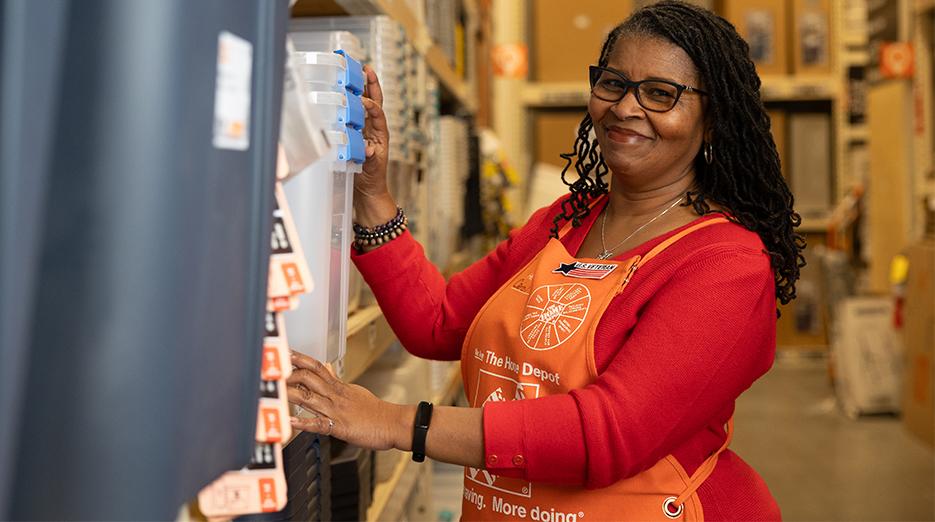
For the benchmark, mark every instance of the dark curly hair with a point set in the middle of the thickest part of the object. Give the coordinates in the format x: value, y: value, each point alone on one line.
x: 744, y: 175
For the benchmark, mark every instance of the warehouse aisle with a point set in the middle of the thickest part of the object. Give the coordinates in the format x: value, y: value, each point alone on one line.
x: 819, y: 464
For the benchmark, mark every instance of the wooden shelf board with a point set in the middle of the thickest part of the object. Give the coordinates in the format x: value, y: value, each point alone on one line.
x: 361, y: 318
x: 774, y: 88
x: 860, y: 57
x: 304, y: 8
x: 439, y: 65
x: 369, y: 335
x: 557, y: 94
x: 392, y: 487
x: 799, y: 88
x: 418, y: 35
x: 857, y: 133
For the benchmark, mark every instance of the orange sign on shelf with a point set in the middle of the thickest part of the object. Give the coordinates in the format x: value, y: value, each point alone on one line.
x: 272, y: 367
x: 293, y: 278
x: 510, y: 60
x: 271, y: 424
x: 896, y: 60
x: 267, y: 495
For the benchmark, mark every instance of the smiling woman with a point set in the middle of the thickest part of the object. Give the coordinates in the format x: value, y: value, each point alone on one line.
x: 601, y: 361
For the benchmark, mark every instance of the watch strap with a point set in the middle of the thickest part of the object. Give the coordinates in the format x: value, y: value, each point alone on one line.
x: 420, y: 430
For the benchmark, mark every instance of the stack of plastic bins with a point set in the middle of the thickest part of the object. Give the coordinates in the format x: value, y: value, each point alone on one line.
x: 308, y: 479
x: 446, y: 184
x: 427, y: 129
x: 351, y: 482
x: 318, y: 41
x: 321, y: 202
x: 384, y: 42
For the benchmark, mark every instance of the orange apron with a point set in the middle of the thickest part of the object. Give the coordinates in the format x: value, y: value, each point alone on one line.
x: 535, y: 337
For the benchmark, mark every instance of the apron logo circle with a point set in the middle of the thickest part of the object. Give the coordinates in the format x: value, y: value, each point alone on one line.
x: 553, y: 314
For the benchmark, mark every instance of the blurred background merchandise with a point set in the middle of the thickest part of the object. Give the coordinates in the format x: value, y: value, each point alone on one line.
x: 141, y: 148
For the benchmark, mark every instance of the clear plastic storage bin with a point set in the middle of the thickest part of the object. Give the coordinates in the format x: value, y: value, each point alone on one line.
x: 323, y: 71
x: 326, y: 41
x: 310, y: 199
x: 329, y: 108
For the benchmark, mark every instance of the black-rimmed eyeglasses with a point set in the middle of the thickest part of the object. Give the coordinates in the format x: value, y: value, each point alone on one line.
x: 652, y: 95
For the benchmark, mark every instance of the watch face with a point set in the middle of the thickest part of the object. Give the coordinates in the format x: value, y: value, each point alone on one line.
x: 423, y: 415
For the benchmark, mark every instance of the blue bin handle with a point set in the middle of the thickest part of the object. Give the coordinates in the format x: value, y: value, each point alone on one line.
x: 355, y: 74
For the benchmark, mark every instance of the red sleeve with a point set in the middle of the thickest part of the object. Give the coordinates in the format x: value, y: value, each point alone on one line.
x: 430, y: 317
x: 700, y: 341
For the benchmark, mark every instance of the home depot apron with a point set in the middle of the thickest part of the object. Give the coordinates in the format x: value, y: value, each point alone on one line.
x: 535, y: 337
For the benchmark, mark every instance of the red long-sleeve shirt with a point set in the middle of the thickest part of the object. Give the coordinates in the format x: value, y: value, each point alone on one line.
x: 692, y: 331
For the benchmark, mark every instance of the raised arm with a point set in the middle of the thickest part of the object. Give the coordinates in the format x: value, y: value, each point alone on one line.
x: 429, y: 317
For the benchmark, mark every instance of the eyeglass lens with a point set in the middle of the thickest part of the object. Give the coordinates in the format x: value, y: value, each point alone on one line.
x: 652, y: 95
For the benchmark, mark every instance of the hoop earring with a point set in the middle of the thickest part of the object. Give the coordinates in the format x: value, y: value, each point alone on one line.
x: 708, y: 150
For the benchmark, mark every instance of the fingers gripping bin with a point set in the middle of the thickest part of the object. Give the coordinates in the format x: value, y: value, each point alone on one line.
x: 322, y: 203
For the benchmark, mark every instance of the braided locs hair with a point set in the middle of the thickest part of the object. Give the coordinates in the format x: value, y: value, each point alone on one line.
x: 744, y: 175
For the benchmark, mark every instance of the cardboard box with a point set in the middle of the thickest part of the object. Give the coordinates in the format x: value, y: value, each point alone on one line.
x: 867, y: 356
x: 778, y: 128
x: 809, y: 166
x: 811, y: 37
x: 919, y: 332
x: 763, y: 24
x: 567, y: 36
x: 554, y: 134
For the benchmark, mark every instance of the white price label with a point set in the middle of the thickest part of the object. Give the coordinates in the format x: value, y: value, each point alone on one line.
x: 232, y: 92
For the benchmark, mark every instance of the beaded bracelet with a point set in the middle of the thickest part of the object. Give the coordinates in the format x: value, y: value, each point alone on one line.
x: 380, y: 234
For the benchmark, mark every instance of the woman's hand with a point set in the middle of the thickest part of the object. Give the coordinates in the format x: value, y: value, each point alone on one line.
x: 359, y: 417
x: 373, y: 203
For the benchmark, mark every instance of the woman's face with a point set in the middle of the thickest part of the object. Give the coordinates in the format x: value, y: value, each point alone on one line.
x: 650, y: 149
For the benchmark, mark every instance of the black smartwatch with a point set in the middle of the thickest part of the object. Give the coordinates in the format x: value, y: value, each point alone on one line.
x: 420, y: 430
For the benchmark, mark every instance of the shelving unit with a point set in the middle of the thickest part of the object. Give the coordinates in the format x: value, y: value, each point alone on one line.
x: 541, y: 95
x: 795, y: 88
x: 826, y: 92
x: 406, y: 474
x: 775, y: 88
x: 400, y: 484
x: 368, y: 334
x: 368, y: 337
x: 534, y: 96
x: 417, y: 34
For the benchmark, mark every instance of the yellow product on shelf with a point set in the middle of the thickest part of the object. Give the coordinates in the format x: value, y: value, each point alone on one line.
x: 459, y: 51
